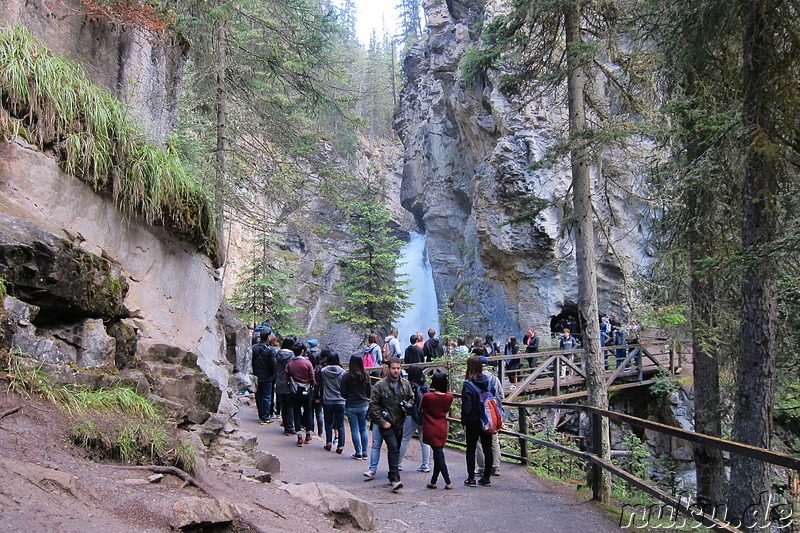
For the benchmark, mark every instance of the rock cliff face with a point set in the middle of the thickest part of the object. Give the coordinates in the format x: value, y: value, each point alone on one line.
x: 141, y: 68
x: 468, y: 154
x: 90, y: 286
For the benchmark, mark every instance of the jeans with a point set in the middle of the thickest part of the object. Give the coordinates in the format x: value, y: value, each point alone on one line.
x: 408, y: 431
x: 393, y: 436
x: 357, y: 416
x: 375, y: 452
x: 301, y: 412
x: 475, y: 432
x: 439, y: 465
x: 316, y: 416
x: 334, y: 418
x: 264, y: 400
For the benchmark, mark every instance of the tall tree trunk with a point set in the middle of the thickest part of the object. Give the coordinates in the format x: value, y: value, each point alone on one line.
x: 755, y: 383
x: 222, y: 108
x: 585, y: 241
x: 707, y: 415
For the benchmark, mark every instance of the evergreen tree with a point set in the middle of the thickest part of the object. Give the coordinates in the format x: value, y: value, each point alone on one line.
x: 372, y: 296
x: 265, y: 287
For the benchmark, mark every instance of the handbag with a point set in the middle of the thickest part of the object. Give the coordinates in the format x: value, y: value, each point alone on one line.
x: 295, y: 387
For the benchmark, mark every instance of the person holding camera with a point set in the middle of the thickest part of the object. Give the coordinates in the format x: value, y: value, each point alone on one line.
x: 390, y: 402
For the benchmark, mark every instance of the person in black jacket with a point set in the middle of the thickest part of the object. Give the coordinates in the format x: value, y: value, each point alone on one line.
x: 476, y: 383
x: 433, y: 348
x: 413, y: 353
x: 264, y: 369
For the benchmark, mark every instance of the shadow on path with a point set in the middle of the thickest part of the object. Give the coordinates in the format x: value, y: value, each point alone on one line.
x: 517, y: 501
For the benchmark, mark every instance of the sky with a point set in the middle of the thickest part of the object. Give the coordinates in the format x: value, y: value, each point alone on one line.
x: 371, y: 15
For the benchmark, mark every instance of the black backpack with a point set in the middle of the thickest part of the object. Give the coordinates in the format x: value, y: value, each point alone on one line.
x: 419, y: 391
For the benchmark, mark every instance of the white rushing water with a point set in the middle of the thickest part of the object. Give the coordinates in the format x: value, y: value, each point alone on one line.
x: 424, y: 311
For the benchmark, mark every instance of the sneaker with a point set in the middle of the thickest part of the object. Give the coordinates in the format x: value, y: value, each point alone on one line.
x: 496, y: 472
x: 484, y: 482
x: 449, y: 486
x: 397, y: 485
x: 369, y: 474
x: 328, y: 447
x: 400, y: 468
x: 265, y: 421
x: 431, y: 486
x: 363, y: 457
x: 423, y: 469
x: 469, y: 482
x: 288, y: 433
x: 308, y: 438
x: 299, y: 441
x: 339, y: 450
x: 356, y: 456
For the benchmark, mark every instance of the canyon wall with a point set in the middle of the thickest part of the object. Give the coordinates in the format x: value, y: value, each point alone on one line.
x: 188, y: 343
x: 469, y: 154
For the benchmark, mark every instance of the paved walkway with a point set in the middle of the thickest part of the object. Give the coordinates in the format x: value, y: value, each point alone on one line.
x: 517, y: 501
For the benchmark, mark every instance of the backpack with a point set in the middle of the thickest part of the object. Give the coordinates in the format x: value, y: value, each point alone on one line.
x: 419, y: 390
x: 492, y: 415
x: 386, y: 351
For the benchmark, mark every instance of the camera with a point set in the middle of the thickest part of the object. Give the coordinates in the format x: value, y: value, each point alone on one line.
x: 405, y: 406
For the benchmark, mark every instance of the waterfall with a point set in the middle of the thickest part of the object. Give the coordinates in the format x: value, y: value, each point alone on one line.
x: 424, y: 310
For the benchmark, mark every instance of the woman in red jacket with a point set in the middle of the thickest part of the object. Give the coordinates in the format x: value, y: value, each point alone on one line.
x: 434, y: 407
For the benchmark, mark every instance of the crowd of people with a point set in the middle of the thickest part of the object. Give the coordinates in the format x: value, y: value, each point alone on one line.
x: 311, y: 393
x: 309, y: 390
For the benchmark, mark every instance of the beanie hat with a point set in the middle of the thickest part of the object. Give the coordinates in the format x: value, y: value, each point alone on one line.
x: 313, y: 342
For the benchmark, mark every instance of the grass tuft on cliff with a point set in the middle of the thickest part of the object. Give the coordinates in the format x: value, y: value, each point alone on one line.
x: 48, y: 101
x: 113, y: 423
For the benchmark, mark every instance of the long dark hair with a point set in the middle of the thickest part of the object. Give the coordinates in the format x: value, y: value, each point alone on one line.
x: 356, y: 372
x: 474, y: 366
x: 415, y: 374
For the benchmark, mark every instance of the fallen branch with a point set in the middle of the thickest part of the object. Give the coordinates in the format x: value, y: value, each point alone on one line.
x: 10, y: 412
x: 177, y: 472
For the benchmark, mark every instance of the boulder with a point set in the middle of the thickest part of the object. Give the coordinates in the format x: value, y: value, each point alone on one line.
x: 193, y: 512
x: 61, y: 279
x: 342, y: 506
x: 266, y: 461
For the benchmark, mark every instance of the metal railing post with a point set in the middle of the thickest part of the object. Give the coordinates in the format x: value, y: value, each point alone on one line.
x: 557, y: 377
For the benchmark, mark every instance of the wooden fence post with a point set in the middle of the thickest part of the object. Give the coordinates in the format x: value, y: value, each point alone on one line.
x: 523, y: 429
x: 597, y: 444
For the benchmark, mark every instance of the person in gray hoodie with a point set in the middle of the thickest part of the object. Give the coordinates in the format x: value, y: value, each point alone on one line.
x: 330, y: 377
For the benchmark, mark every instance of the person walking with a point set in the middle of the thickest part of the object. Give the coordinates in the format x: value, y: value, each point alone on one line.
x: 264, y: 370
x: 282, y: 392
x: 356, y: 390
x: 300, y: 378
x: 475, y: 384
x: 388, y: 406
x: 512, y: 365
x: 433, y: 348
x: 414, y: 419
x: 330, y: 378
x: 434, y: 407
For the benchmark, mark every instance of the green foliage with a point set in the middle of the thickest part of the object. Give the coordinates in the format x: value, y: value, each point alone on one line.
x: 554, y: 464
x: 671, y: 315
x: 48, y: 100
x: 450, y: 324
x: 663, y: 386
x: 3, y: 290
x: 371, y: 295
x: 635, y: 463
x: 265, y: 288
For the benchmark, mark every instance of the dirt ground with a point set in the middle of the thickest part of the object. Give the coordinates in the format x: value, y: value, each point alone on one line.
x: 48, y: 484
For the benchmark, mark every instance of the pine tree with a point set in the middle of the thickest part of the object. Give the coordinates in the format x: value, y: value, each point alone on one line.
x: 372, y: 296
x: 265, y: 287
